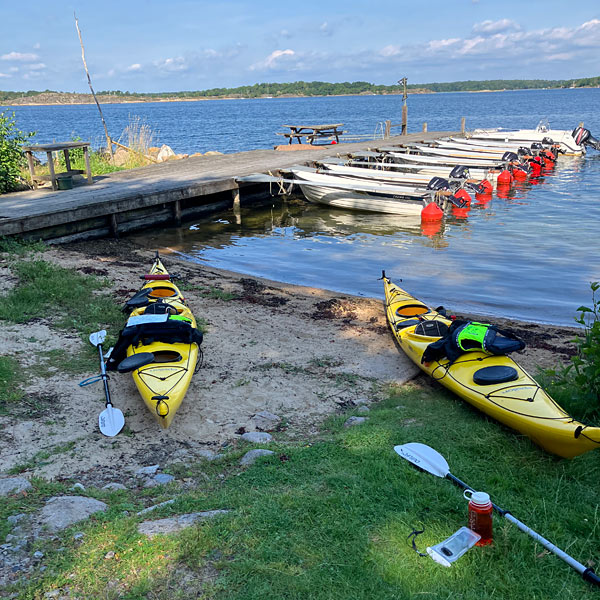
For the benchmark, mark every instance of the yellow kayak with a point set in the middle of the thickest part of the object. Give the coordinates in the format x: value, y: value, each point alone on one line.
x: 504, y: 390
x: 159, y: 345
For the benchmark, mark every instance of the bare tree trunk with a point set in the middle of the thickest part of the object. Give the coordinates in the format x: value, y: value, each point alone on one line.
x: 108, y: 140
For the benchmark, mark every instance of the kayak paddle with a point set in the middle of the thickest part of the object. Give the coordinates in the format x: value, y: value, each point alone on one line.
x: 111, y: 419
x: 427, y: 459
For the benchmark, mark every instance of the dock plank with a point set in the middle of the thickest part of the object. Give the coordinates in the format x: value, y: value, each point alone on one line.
x: 190, y: 179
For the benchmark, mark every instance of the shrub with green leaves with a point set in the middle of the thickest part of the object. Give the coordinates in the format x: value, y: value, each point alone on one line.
x: 11, y: 154
x: 577, y: 386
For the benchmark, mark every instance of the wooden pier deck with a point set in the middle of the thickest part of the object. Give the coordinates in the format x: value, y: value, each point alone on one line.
x: 167, y: 193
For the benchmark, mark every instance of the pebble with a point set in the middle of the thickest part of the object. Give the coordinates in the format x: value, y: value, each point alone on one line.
x: 114, y: 486
x: 265, y: 420
x: 257, y: 437
x: 363, y: 409
x: 13, y: 485
x: 251, y: 456
x: 78, y: 487
x: 38, y: 554
x: 162, y: 478
x: 150, y: 470
x: 171, y: 524
x: 14, y: 519
x: 354, y: 421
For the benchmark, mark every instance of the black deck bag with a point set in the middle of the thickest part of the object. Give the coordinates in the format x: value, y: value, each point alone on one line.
x: 498, y: 341
x: 170, y: 332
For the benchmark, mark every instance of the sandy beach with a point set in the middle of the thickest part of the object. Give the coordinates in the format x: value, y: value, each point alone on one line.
x: 300, y: 353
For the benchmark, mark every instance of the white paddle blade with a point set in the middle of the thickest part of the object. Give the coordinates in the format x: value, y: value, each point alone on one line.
x: 97, y: 337
x: 111, y: 421
x: 424, y: 457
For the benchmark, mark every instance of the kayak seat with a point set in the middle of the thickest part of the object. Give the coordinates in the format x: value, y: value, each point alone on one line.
x: 436, y: 329
x: 412, y: 310
x: 162, y: 292
x: 496, y: 374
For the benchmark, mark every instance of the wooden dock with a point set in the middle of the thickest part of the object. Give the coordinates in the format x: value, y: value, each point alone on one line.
x: 167, y: 193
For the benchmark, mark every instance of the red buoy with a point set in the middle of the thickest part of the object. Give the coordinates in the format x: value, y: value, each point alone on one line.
x: 460, y: 213
x: 432, y: 212
x: 431, y: 228
x: 519, y: 174
x: 536, y: 169
x: 463, y: 195
x: 485, y: 183
x: 505, y: 178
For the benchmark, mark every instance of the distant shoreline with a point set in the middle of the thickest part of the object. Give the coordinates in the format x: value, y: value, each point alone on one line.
x: 111, y: 100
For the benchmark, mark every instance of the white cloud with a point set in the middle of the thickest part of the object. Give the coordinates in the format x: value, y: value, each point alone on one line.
x: 36, y: 67
x: 4, y: 75
x: 325, y: 29
x: 172, y: 64
x: 18, y: 56
x: 273, y: 60
x: 491, y: 27
x: 134, y: 67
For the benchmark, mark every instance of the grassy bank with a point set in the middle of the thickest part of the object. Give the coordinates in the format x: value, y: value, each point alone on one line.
x: 330, y: 518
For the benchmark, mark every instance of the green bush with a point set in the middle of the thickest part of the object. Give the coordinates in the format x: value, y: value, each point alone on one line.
x: 577, y: 386
x: 11, y: 155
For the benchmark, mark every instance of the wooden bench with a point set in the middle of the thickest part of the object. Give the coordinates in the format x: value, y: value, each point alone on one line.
x: 63, y: 147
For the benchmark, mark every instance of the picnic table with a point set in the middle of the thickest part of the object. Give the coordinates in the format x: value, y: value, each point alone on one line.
x: 328, y: 131
x: 64, y: 147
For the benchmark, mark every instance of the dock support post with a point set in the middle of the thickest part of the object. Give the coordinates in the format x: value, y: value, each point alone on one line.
x: 424, y: 127
x: 177, y: 212
x: 113, y: 225
x: 388, y: 129
x: 404, y: 118
x: 237, y: 205
x: 462, y: 124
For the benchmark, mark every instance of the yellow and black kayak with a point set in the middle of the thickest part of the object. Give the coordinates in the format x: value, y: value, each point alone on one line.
x: 159, y: 345
x: 495, y: 384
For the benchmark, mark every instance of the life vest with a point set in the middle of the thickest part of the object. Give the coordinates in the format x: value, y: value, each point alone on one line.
x: 468, y: 336
x: 473, y: 335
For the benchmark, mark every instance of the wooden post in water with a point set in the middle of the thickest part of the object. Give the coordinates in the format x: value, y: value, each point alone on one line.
x: 177, y: 212
x: 237, y: 205
x: 404, y: 107
x: 463, y: 122
x: 424, y: 127
x: 388, y: 129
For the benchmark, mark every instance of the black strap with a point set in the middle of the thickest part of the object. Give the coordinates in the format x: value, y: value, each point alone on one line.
x: 413, y: 534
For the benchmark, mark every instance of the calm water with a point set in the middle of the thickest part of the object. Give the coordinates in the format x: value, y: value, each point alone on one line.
x: 529, y: 256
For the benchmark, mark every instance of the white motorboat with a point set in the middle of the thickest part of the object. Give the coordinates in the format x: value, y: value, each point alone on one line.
x: 570, y: 142
x: 355, y: 194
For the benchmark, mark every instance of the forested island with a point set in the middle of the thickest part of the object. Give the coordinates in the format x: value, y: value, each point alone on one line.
x: 294, y: 89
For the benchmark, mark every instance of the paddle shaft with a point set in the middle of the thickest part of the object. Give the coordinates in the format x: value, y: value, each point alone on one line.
x: 104, y: 376
x: 586, y: 572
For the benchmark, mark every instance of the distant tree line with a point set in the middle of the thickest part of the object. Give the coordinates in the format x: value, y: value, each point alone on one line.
x: 322, y: 88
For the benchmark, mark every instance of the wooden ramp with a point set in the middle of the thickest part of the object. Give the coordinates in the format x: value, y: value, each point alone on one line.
x: 165, y: 193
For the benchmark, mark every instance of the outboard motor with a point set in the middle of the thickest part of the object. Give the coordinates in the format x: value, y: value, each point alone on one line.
x: 548, y: 141
x: 509, y: 157
x: 459, y: 172
x: 438, y: 184
x: 583, y: 136
x: 478, y: 188
x: 522, y: 151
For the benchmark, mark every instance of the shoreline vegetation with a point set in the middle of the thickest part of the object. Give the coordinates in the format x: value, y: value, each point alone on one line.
x: 288, y: 90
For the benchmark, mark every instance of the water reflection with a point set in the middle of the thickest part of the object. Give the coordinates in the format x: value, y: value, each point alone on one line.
x: 527, y: 252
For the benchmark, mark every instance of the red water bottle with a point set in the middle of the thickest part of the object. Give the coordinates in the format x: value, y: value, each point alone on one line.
x: 480, y: 515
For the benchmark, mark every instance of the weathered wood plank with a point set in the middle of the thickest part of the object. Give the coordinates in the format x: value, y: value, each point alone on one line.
x: 115, y: 198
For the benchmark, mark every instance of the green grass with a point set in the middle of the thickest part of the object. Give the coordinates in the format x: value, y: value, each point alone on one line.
x: 329, y: 519
x: 10, y: 391
x: 17, y: 246
x: 62, y: 295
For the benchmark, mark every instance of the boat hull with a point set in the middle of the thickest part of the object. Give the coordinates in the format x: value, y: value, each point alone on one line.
x: 520, y: 403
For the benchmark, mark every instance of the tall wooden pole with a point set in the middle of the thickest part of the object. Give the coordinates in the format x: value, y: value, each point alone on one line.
x: 108, y: 140
x: 404, y: 107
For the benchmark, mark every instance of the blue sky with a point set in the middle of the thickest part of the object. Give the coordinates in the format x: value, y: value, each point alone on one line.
x: 173, y: 45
